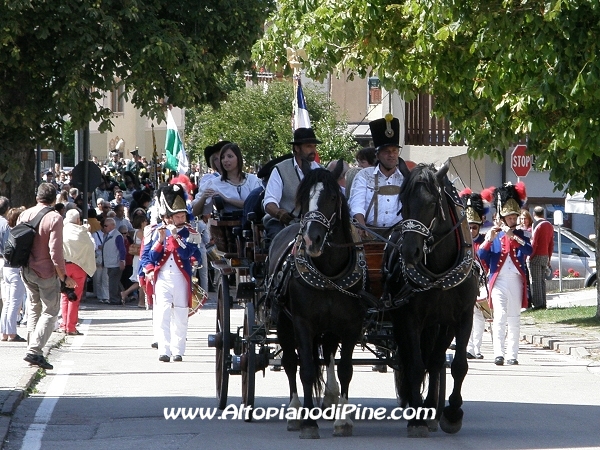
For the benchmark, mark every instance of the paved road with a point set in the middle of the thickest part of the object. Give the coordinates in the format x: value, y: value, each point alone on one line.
x: 108, y: 391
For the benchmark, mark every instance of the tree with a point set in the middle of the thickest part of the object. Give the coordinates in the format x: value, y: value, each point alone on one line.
x: 499, y: 70
x: 259, y: 121
x: 57, y: 57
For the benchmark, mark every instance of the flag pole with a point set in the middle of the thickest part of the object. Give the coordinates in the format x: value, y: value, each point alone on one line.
x: 154, y: 158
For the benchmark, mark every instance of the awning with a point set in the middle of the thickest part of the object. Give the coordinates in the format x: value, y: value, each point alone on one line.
x: 578, y: 204
x: 359, y: 129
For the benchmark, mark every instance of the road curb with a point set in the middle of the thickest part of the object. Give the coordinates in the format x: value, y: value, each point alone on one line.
x: 575, y: 346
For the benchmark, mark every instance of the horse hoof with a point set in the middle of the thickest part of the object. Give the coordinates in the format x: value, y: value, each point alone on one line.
x: 418, y: 432
x: 449, y: 427
x: 342, y: 430
x: 432, y: 425
x: 309, y: 433
x: 293, y: 425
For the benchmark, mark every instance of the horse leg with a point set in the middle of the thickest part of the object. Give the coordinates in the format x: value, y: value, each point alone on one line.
x: 451, y: 420
x: 435, y: 371
x: 343, y: 426
x: 332, y: 389
x: 310, y: 380
x: 289, y: 361
x: 417, y: 427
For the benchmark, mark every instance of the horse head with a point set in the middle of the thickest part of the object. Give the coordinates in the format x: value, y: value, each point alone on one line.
x: 425, y: 214
x: 324, y: 208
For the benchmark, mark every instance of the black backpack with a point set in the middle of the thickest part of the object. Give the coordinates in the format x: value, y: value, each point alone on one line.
x: 20, y: 241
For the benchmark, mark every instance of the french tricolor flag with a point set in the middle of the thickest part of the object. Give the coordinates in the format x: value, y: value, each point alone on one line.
x: 301, y: 118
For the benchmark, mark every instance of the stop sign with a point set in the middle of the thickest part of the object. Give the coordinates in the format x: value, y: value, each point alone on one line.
x: 520, y: 163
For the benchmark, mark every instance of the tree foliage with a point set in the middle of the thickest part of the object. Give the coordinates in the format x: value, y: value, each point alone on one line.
x: 258, y: 119
x: 500, y: 70
x: 56, y: 58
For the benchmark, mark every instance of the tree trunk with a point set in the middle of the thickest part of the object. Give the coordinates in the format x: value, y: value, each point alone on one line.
x: 17, y: 175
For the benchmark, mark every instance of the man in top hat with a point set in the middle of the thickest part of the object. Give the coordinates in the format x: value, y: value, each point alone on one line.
x: 374, y: 198
x: 504, y: 252
x: 475, y: 210
x: 204, y: 197
x: 280, y: 193
x: 167, y: 264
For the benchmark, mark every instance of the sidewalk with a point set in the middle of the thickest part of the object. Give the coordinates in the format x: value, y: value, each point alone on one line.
x: 16, y: 376
x: 568, y: 339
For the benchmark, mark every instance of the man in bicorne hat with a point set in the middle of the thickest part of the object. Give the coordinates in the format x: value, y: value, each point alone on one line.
x: 374, y: 197
x: 280, y: 193
x: 504, y: 251
x: 167, y: 263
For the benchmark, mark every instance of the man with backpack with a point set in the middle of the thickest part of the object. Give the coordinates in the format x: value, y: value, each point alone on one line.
x: 43, y: 274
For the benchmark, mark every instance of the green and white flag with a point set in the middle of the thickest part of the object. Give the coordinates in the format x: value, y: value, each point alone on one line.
x: 176, y: 158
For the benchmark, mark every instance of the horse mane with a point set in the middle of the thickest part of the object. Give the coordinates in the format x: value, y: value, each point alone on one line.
x: 329, y: 184
x: 421, y: 173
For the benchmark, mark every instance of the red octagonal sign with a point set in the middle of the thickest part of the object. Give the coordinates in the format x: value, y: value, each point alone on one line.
x: 520, y: 163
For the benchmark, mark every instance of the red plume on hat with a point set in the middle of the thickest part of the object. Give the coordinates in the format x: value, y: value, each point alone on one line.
x: 184, y: 181
x: 488, y: 194
x: 521, y: 191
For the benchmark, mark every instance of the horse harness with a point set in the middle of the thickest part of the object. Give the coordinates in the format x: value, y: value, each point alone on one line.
x: 295, y: 262
x: 419, y: 278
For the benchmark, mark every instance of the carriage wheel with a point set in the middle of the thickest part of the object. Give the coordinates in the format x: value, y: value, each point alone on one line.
x: 223, y: 350
x: 249, y: 368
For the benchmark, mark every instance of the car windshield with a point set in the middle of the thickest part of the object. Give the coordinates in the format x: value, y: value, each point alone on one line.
x: 588, y: 241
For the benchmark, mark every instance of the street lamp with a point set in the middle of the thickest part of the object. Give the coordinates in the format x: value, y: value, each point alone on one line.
x: 558, y: 221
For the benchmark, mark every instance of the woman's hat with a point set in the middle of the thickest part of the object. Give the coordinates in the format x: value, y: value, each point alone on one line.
x: 304, y: 136
x: 212, y: 149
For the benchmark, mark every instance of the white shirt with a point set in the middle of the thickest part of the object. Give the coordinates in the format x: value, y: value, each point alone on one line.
x: 274, y: 189
x: 239, y: 192
x: 362, y: 192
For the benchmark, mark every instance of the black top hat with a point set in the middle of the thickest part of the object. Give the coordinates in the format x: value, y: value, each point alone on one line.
x: 304, y: 136
x: 385, y: 132
x: 265, y: 171
x: 135, y: 152
x: 212, y: 149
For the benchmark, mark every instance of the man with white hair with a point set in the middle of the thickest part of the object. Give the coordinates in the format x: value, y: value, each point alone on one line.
x: 78, y: 250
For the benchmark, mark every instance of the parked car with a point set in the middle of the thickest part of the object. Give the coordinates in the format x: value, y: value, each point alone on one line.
x: 578, y: 254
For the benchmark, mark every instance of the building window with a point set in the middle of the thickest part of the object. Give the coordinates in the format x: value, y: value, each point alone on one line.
x: 117, y: 104
x: 374, y: 91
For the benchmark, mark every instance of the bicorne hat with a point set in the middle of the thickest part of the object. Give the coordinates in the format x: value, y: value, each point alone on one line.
x: 212, y: 149
x: 475, y: 207
x: 172, y: 200
x: 304, y: 136
x: 385, y: 132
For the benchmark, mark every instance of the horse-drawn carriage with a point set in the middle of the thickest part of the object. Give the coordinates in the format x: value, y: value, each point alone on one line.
x: 402, y: 296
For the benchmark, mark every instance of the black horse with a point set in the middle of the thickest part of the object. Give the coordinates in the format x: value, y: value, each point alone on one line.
x: 316, y: 269
x: 432, y: 287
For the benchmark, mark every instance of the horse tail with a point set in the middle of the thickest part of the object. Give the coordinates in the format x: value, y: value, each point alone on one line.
x: 319, y: 382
